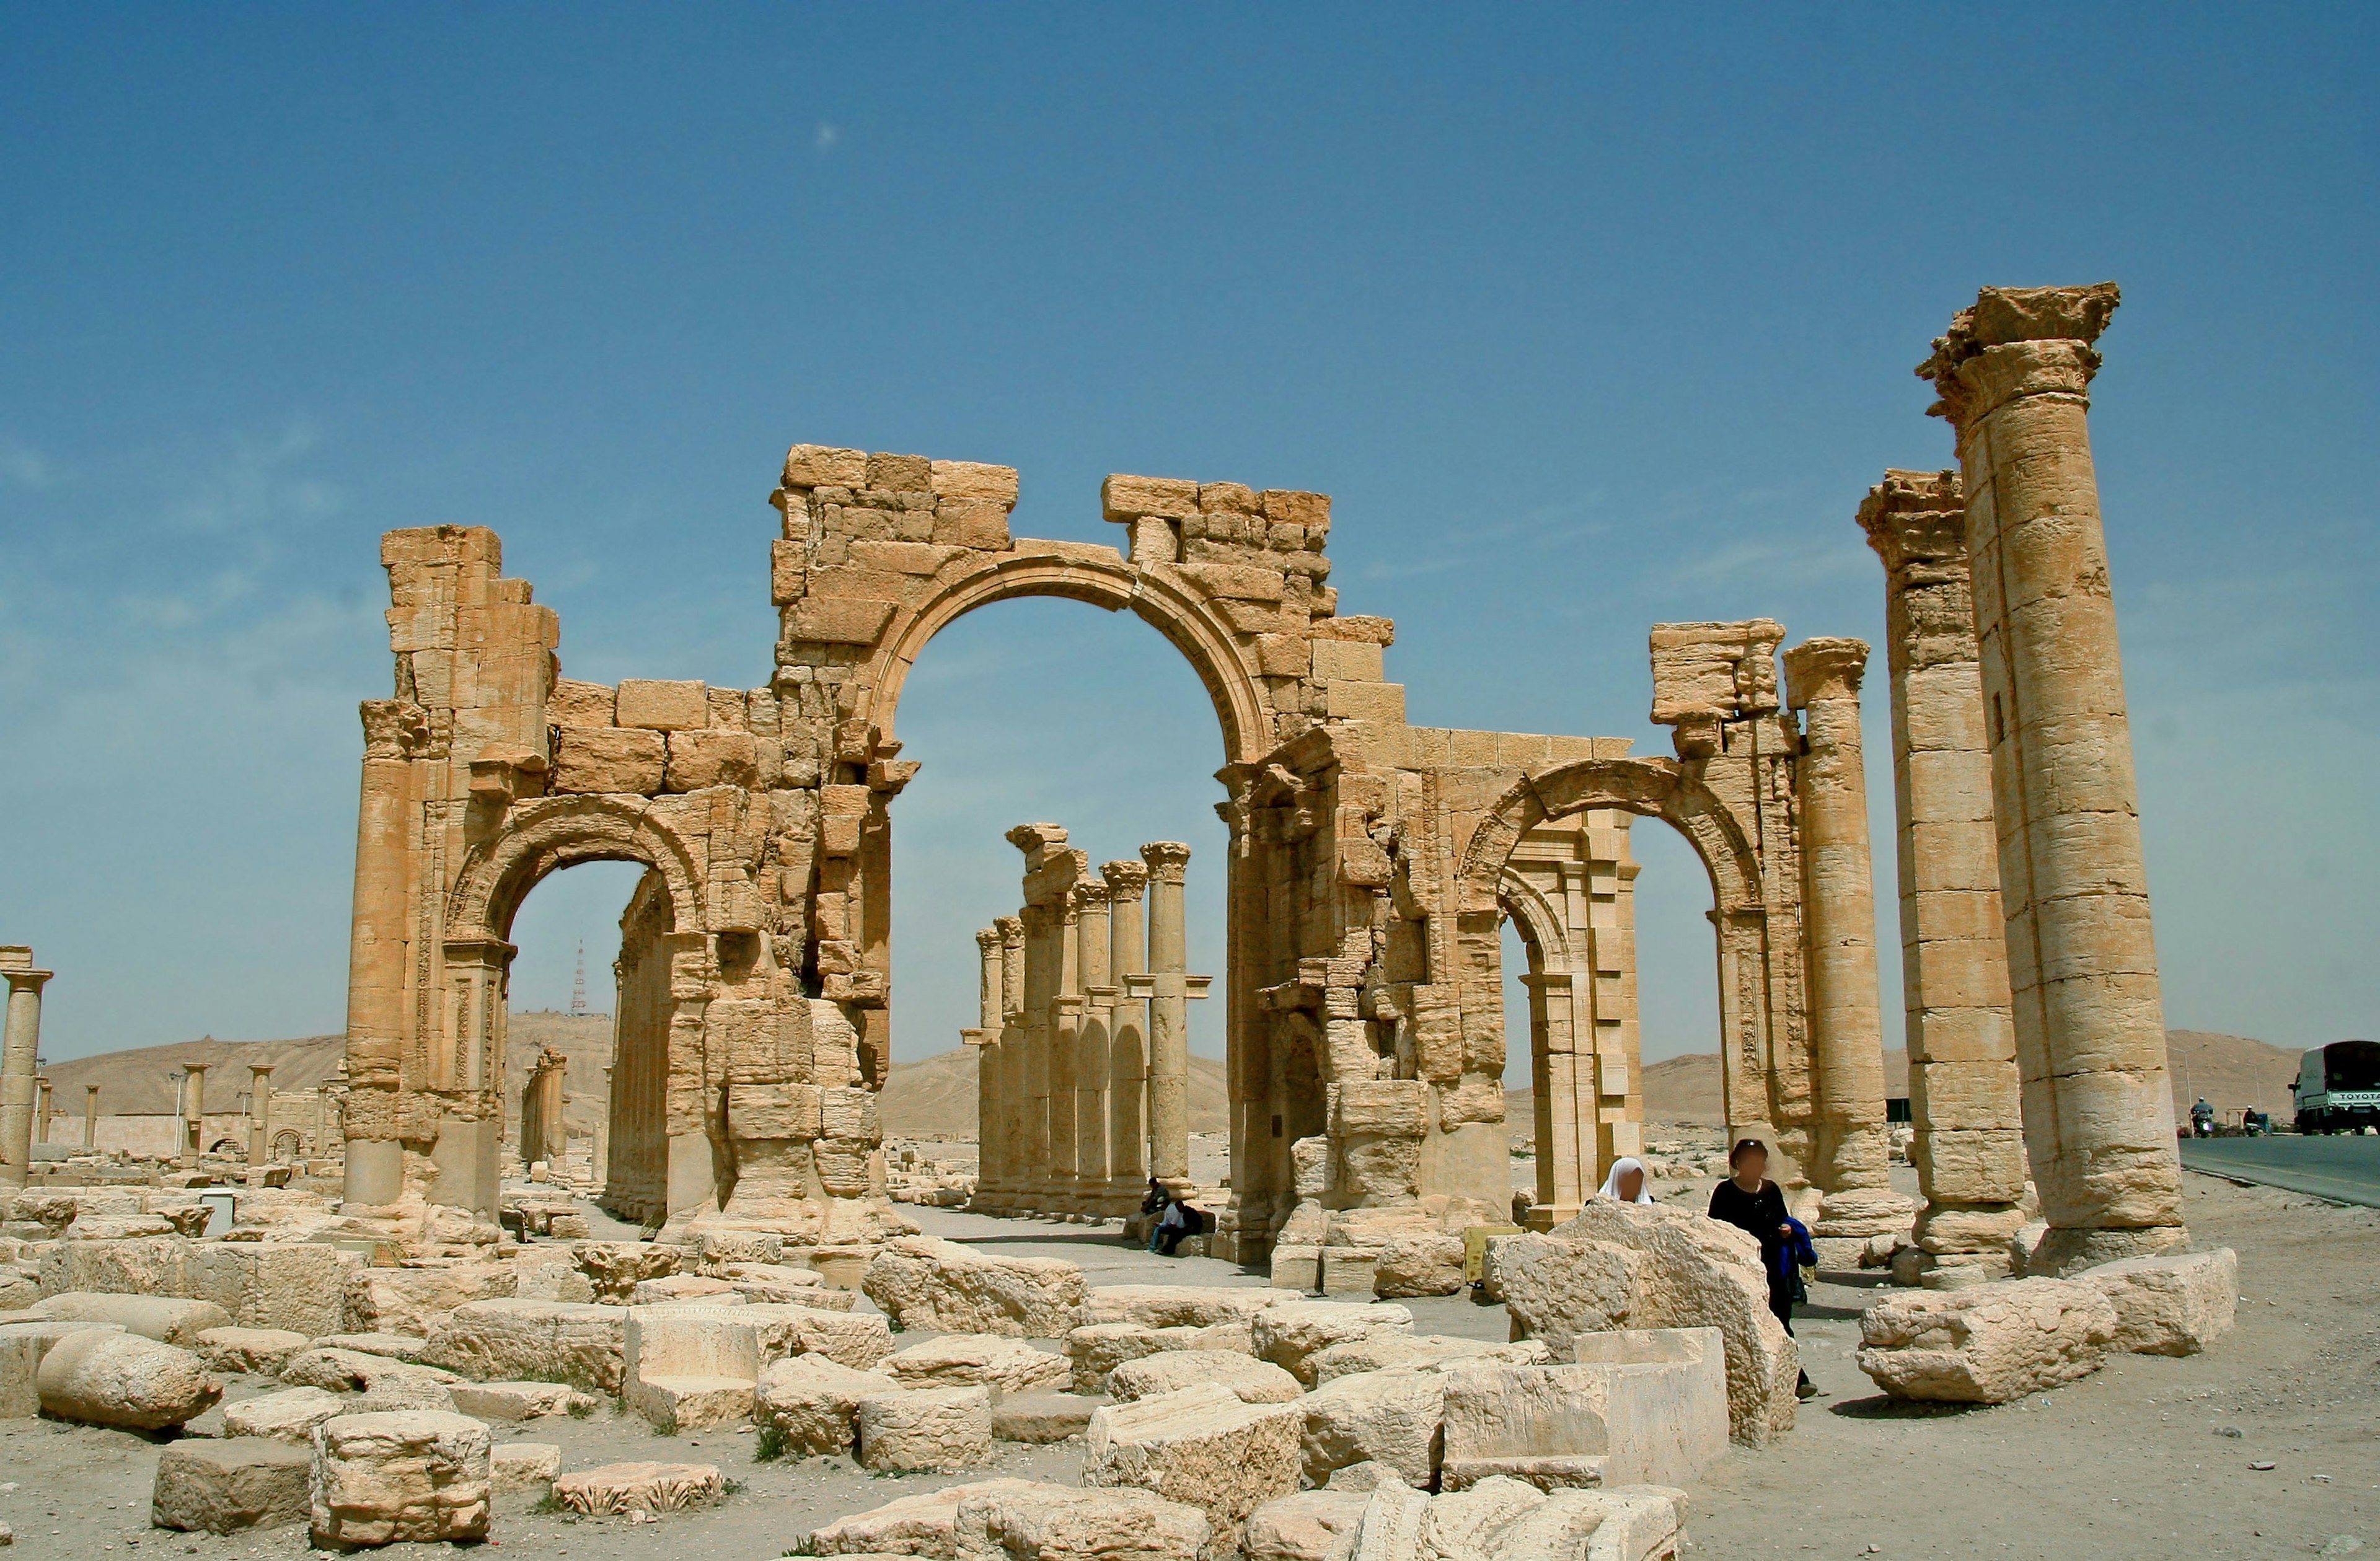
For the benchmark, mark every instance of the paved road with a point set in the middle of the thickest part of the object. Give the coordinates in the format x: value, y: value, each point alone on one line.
x: 2343, y: 1169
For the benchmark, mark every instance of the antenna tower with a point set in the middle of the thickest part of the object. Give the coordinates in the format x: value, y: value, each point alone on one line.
x: 578, y: 982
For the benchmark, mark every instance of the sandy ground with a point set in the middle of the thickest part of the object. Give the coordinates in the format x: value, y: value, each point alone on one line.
x: 2137, y: 1461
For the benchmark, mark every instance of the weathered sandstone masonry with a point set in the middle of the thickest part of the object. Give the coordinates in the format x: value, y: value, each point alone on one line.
x: 2015, y: 374
x: 1969, y: 1147
x: 19, y: 1056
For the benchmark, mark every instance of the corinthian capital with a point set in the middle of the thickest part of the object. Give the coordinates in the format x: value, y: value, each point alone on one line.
x: 1916, y: 517
x: 1167, y: 860
x: 2015, y: 341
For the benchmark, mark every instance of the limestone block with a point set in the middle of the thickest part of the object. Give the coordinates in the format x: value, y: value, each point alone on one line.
x: 1555, y: 1289
x: 141, y: 1265
x: 1297, y: 1267
x: 1391, y: 1418
x: 924, y: 1524
x: 1309, y: 1526
x: 405, y: 1300
x: 391, y: 1384
x: 685, y: 1287
x: 596, y: 760
x: 288, y: 1416
x: 1666, y: 1396
x: 1389, y: 1527
x: 1630, y: 1524
x: 295, y: 1285
x: 974, y: 479
x: 821, y: 465
x: 663, y: 705
x: 614, y: 1268
x: 1125, y: 498
x: 1694, y: 1272
x: 1175, y: 1306
x: 1422, y: 1352
x: 1043, y: 1417
x: 927, y: 1283
x: 1987, y: 1344
x: 1476, y: 1520
x: 260, y: 1350
x: 1426, y: 1263
x: 1096, y: 1349
x: 102, y: 1377
x: 518, y: 1400
x: 1549, y: 1426
x: 541, y: 1275
x: 687, y: 1368
x: 976, y: 1360
x: 928, y: 1428
x: 168, y: 1320
x: 574, y: 702
x: 222, y: 1487
x: 807, y: 1404
x: 858, y: 1339
x: 675, y: 1405
x: 698, y: 759
x: 533, y: 1341
x: 396, y: 1346
x: 1290, y: 1334
x: 1050, y: 1522
x: 639, y: 1487
x: 521, y: 1474
x: 2175, y: 1305
x: 1251, y: 1380
x: 1201, y: 1446
x: 786, y: 1284
x: 1350, y: 1271
x: 380, y: 1479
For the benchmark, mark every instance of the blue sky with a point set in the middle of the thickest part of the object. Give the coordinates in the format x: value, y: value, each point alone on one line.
x: 1587, y: 318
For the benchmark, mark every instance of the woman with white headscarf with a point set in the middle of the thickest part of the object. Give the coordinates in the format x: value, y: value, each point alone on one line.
x: 1627, y: 1181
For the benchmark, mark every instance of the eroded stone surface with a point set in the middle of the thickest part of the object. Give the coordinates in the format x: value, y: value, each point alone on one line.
x: 102, y: 1377
x: 222, y: 1487
x: 1250, y: 1380
x: 382, y: 1478
x: 639, y: 1487
x: 926, y: 1283
x: 1989, y: 1344
x: 2174, y: 1305
x: 928, y: 1428
x: 1201, y: 1446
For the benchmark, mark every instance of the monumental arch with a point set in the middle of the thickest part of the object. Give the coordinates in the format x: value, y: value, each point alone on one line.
x: 1370, y: 862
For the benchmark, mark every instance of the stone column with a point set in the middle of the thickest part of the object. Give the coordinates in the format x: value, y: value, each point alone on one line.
x: 985, y: 1038
x: 1015, y: 1169
x: 2015, y: 375
x: 194, y: 1111
x: 1169, y: 1016
x: 599, y: 1159
x: 1065, y: 1036
x: 43, y: 1108
x: 90, y: 1117
x: 1563, y: 1092
x: 1092, y: 933
x: 19, y: 1055
x: 1046, y: 1141
x: 1851, y: 1159
x: 1127, y: 1124
x: 1969, y: 1145
x: 260, y: 1113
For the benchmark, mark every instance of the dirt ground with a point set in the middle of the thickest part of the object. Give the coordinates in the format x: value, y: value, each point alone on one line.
x: 2150, y: 1457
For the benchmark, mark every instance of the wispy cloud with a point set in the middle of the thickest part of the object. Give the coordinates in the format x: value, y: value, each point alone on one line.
x: 1795, y: 563
x: 826, y: 138
x: 21, y: 466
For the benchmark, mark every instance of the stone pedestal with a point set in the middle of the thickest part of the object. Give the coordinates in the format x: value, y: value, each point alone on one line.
x: 1850, y: 1160
x: 2015, y: 374
x: 1969, y: 1147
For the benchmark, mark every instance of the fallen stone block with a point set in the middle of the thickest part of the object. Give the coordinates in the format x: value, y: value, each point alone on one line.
x: 639, y: 1487
x: 1695, y: 1271
x: 1291, y: 1333
x: 807, y: 1405
x: 1389, y: 1526
x: 288, y: 1416
x: 685, y: 1287
x: 222, y: 1487
x: 1043, y: 1417
x: 925, y: 1428
x: 521, y: 1474
x: 1309, y: 1526
x: 1476, y: 1519
x: 942, y: 1287
x: 1175, y: 1306
x: 784, y: 1283
x: 505, y: 1340
x: 1201, y: 1446
x: 137, y: 1265
x: 410, y: 1301
x: 250, y: 1351
x: 1549, y: 1426
x: 1666, y: 1400
x: 102, y: 1377
x: 166, y: 1319
x: 519, y: 1400
x: 396, y: 1346
x: 391, y: 1384
x: 975, y: 1360
x: 1393, y: 1418
x: 1423, y: 1351
x: 616, y: 1268
x: 1251, y: 1380
x: 1987, y: 1344
x: 1044, y: 1522
x: 1555, y: 1289
x: 408, y: 1475
x: 2175, y: 1305
x: 299, y: 1286
x: 675, y: 1405
x: 1096, y: 1349
x: 924, y: 1524
x: 1422, y: 1263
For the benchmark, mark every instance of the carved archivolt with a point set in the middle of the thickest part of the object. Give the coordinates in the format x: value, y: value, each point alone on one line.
x: 547, y: 834
x: 1653, y: 788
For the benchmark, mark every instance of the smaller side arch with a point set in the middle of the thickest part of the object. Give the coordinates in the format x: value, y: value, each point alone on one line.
x: 547, y: 834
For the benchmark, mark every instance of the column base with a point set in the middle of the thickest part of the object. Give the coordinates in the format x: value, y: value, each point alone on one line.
x: 2066, y: 1250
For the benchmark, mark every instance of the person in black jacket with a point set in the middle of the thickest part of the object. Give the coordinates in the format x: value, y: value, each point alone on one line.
x: 1752, y: 1204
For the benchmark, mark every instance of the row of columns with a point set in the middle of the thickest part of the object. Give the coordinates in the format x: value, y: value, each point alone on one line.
x: 1082, y: 1044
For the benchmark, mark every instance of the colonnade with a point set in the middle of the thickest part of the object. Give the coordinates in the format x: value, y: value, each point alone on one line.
x: 1083, y: 1045
x: 542, y: 1135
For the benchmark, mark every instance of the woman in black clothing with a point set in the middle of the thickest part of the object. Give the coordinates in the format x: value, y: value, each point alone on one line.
x: 1751, y: 1202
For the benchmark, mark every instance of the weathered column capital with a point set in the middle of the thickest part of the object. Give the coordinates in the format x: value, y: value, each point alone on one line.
x: 2017, y: 341
x: 27, y: 980
x: 1126, y: 880
x: 1913, y: 519
x: 260, y: 1069
x: 196, y: 1067
x: 1032, y: 838
x: 1089, y: 892
x: 1823, y: 668
x: 1168, y: 860
x: 988, y: 938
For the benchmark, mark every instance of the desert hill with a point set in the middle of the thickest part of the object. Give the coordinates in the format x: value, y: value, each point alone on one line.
x: 934, y: 1097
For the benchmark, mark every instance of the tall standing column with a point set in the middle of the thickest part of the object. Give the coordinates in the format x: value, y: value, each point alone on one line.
x: 260, y: 1113
x: 1092, y: 932
x: 1851, y: 1154
x: 194, y: 1111
x: 1015, y: 1169
x: 1963, y: 1099
x: 2015, y: 374
x: 1169, y: 1016
x: 1065, y: 1036
x: 1127, y: 1123
x: 985, y: 1038
x: 90, y: 1117
x: 599, y: 1159
x: 1047, y: 1141
x: 45, y: 1108
x: 20, y: 1054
